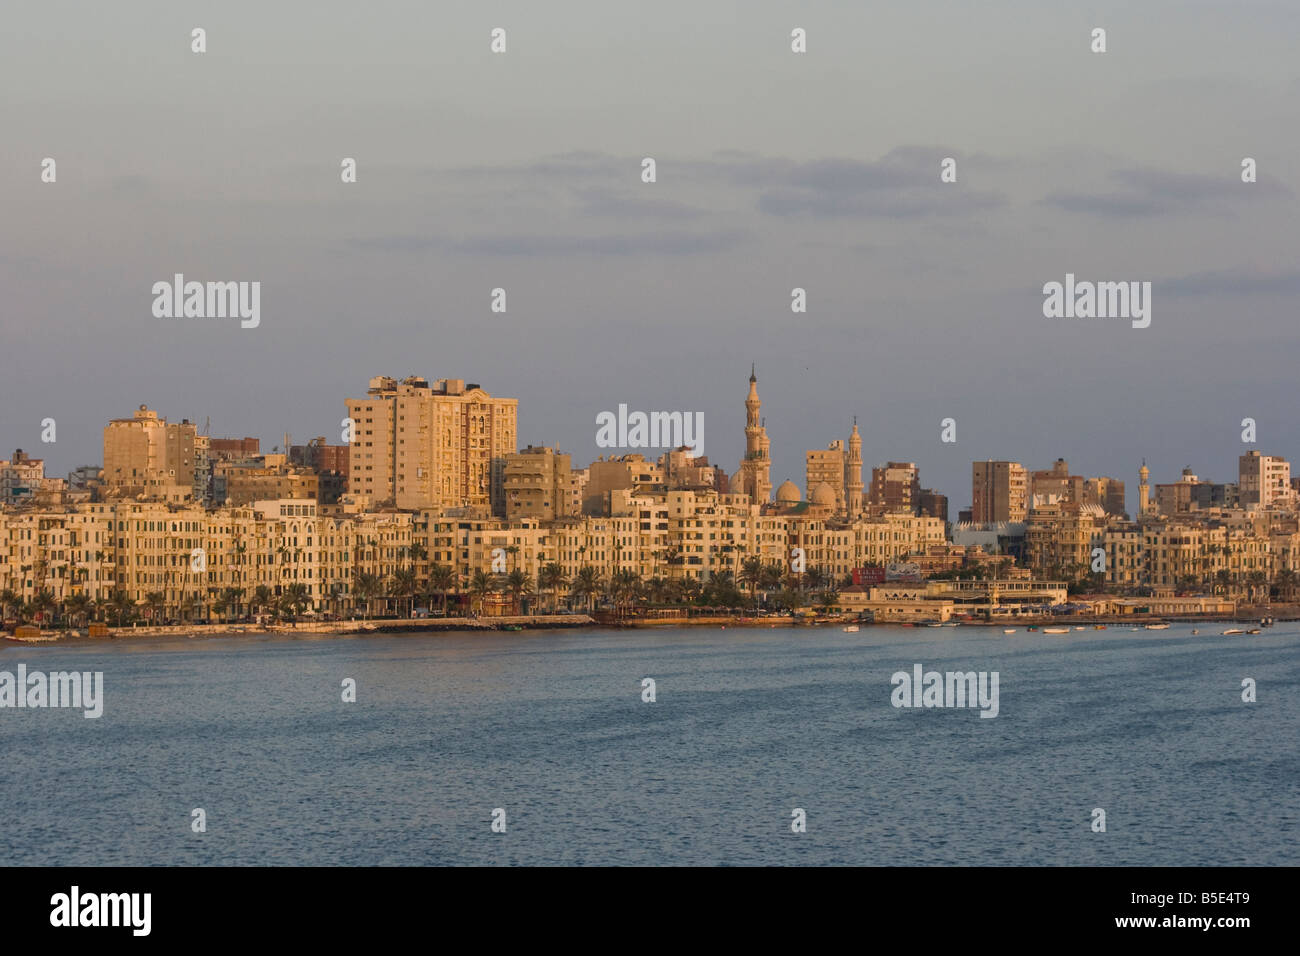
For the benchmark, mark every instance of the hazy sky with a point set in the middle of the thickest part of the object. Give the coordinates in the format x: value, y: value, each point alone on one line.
x: 775, y: 170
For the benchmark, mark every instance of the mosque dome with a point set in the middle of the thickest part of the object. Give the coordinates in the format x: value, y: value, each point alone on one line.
x: 788, y: 493
x: 823, y: 494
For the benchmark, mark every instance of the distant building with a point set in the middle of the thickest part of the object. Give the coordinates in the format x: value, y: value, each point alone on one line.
x: 933, y: 504
x: 999, y: 492
x: 1055, y: 485
x: 1189, y: 493
x: 537, y: 484
x: 1106, y: 493
x: 896, y: 487
x: 614, y: 474
x: 21, y: 478
x: 826, y: 467
x: 146, y: 456
x: 420, y: 446
x: 1264, y: 481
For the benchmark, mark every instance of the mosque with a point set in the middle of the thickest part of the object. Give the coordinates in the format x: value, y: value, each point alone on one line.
x: 834, y: 478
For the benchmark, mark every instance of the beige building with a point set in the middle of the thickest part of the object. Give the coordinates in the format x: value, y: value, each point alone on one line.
x: 1264, y: 481
x: 615, y: 474
x: 441, y: 446
x: 538, y: 484
x: 999, y: 491
x: 1105, y: 493
x: 147, y: 456
x: 21, y: 478
x: 828, y: 467
x: 1055, y: 485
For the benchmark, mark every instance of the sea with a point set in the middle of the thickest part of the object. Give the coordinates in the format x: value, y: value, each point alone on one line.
x: 751, y: 746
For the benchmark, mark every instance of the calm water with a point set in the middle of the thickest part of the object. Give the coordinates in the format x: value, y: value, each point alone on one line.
x: 748, y: 725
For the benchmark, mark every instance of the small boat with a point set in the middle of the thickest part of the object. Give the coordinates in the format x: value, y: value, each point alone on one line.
x: 1056, y: 630
x: 1031, y: 629
x: 1079, y: 628
x: 949, y: 623
x: 1008, y: 630
x: 934, y: 624
x: 1099, y: 627
x: 1195, y: 631
x: 851, y: 629
x: 1157, y: 627
x: 1253, y: 630
x: 1235, y: 630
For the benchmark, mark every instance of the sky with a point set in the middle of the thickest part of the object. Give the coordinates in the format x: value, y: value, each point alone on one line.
x: 775, y: 170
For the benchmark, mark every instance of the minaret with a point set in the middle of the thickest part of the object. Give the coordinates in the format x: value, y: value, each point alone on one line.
x: 853, y: 473
x: 1144, y: 491
x: 755, y: 469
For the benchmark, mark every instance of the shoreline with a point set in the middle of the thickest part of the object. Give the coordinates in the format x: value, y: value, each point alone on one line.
x: 519, y: 624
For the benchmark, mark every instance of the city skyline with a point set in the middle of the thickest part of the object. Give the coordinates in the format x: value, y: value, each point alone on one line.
x: 869, y: 461
x: 776, y: 171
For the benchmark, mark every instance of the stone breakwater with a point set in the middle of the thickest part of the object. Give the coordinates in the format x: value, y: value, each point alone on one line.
x: 415, y: 626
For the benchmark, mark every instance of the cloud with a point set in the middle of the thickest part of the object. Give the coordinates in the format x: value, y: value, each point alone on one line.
x: 608, y: 202
x: 904, y: 184
x: 660, y: 243
x: 1232, y: 282
x: 1147, y: 191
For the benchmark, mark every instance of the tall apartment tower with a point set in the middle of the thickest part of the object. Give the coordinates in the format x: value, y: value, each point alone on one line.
x: 755, y: 475
x: 853, y: 473
x: 896, y: 487
x: 441, y: 446
x: 999, y: 491
x: 538, y: 484
x: 1263, y: 480
x: 146, y: 455
x: 827, y: 466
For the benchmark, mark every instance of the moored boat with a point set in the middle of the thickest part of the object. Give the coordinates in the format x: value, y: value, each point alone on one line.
x: 1056, y: 630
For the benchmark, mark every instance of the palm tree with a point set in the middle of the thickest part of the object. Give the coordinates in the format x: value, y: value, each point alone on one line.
x: 587, y: 584
x: 295, y: 599
x: 480, y: 586
x: 76, y: 607
x: 624, y: 587
x: 751, y: 572
x: 518, y: 584
x: 366, y: 586
x: 401, y: 585
x: 155, y: 601
x: 261, y: 597
x: 121, y: 603
x: 552, y: 578
x: 8, y: 599
x: 229, y: 601
x: 442, y: 579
